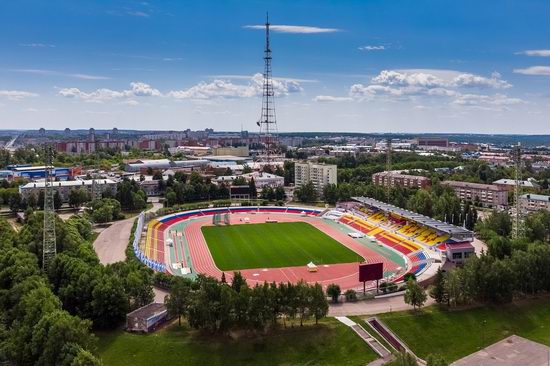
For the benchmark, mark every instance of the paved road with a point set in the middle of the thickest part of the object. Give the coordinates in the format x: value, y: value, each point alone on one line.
x: 111, y: 243
x: 376, y: 306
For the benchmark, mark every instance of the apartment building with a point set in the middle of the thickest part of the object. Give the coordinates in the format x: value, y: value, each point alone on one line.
x: 395, y: 179
x: 320, y: 174
x: 489, y: 195
x: 65, y: 187
x: 534, y: 202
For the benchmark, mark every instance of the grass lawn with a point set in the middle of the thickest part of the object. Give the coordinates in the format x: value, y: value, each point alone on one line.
x: 272, y: 245
x: 455, y: 334
x: 330, y: 343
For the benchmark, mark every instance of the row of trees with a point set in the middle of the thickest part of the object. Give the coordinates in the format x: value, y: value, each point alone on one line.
x: 182, y: 189
x: 47, y: 317
x: 34, y: 328
x: 216, y: 307
x: 510, y: 268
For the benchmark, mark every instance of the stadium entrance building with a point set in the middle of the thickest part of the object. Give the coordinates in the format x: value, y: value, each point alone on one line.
x: 457, y: 253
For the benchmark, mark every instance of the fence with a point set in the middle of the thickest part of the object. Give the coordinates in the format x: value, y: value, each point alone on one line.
x: 153, y: 264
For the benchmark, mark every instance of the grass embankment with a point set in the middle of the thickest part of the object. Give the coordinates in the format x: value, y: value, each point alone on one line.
x: 456, y: 334
x: 330, y: 343
x: 272, y: 245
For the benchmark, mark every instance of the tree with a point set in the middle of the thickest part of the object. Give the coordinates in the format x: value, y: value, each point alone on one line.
x: 57, y: 202
x: 32, y: 202
x: 85, y: 358
x: 330, y: 193
x: 15, y: 202
x: 405, y: 359
x: 238, y: 282
x: 252, y: 188
x: 239, y: 181
x: 437, y: 291
x: 351, y: 295
x: 77, y: 197
x: 415, y: 294
x: 55, y: 334
x: 306, y: 193
x: 333, y: 290
x: 177, y: 302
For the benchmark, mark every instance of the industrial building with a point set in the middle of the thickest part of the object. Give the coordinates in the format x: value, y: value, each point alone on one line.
x: 319, y: 174
x: 65, y: 187
x: 488, y: 195
x: 39, y: 172
x: 398, y: 179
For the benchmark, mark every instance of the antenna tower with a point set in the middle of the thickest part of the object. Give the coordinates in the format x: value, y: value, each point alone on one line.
x: 48, y: 245
x: 517, y: 192
x: 388, y: 169
x: 268, y: 121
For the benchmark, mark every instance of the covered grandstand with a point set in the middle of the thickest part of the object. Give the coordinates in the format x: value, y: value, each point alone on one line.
x: 454, y: 233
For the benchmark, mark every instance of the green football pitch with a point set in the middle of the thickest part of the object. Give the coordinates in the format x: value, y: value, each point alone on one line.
x: 273, y: 245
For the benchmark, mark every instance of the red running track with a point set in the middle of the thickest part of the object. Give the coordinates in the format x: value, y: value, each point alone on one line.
x: 345, y: 274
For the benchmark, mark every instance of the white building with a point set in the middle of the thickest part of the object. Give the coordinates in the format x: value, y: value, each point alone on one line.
x: 261, y: 179
x: 65, y: 187
x: 319, y: 174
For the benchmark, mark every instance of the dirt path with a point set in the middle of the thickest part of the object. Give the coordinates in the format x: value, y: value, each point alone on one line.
x: 111, y: 242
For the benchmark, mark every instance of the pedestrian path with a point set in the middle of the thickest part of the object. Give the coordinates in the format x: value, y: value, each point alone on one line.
x: 373, y: 343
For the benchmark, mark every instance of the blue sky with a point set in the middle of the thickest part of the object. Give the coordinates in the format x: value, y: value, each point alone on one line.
x: 364, y: 66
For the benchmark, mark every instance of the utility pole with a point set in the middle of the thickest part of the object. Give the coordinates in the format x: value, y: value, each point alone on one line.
x: 49, y: 242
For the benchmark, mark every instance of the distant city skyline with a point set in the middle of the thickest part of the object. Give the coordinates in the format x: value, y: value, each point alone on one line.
x: 350, y: 66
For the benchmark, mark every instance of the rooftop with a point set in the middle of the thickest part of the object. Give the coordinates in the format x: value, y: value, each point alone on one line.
x: 148, y: 311
x: 536, y: 197
x: 421, y: 219
x: 490, y: 187
x: 68, y: 183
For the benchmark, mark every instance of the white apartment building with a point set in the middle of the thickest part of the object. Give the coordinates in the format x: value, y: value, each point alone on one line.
x: 65, y: 187
x: 319, y: 174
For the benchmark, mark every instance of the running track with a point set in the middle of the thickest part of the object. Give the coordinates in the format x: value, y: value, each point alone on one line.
x: 345, y: 274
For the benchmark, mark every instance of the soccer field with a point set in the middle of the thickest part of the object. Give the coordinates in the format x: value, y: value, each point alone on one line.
x: 273, y: 245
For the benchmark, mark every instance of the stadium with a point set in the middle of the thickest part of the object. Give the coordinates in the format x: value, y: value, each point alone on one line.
x: 289, y: 244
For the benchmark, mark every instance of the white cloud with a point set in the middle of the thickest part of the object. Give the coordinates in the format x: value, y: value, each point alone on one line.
x: 37, y: 45
x: 137, y: 89
x: 220, y: 88
x: 16, y: 94
x: 425, y: 85
x: 330, y: 98
x: 427, y: 78
x: 490, y: 102
x: 534, y: 70
x: 58, y: 73
x: 540, y: 53
x: 371, y: 48
x: 137, y: 13
x: 294, y: 29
